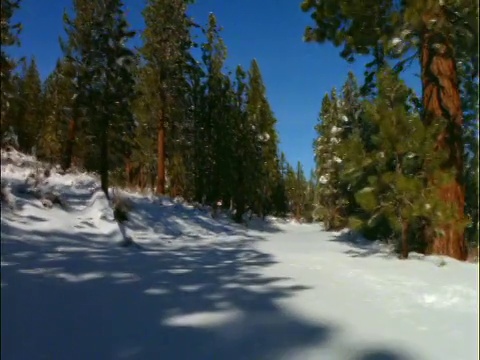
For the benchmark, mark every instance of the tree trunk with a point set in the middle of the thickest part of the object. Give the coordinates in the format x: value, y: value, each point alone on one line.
x: 161, y: 156
x: 298, y: 214
x: 142, y: 179
x: 441, y: 99
x: 128, y: 172
x: 104, y: 161
x: 67, y: 157
x: 404, y: 250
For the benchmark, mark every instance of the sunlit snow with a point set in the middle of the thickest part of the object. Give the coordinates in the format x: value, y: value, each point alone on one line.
x: 198, y: 287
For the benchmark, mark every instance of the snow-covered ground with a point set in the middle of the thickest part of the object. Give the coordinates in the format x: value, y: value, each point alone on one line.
x: 203, y: 288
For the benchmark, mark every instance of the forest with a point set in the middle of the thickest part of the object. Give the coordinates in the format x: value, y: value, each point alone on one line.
x: 171, y: 118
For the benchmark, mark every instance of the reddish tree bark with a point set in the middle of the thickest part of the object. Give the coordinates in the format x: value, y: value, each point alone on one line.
x: 72, y: 131
x: 441, y: 99
x: 161, y: 156
x: 128, y: 172
x: 404, y: 250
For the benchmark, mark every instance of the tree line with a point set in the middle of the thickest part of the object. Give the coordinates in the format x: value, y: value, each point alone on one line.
x: 388, y: 162
x: 158, y: 118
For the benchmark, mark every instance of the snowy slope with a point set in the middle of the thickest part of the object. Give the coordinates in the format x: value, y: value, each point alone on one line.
x: 203, y: 288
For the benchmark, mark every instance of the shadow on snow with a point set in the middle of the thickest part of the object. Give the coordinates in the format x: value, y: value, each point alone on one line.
x: 68, y: 296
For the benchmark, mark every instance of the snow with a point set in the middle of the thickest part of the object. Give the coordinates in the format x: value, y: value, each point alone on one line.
x: 366, y: 189
x: 323, y: 179
x: 405, y: 33
x: 336, y: 130
x: 203, y: 288
x: 396, y: 41
x: 263, y: 137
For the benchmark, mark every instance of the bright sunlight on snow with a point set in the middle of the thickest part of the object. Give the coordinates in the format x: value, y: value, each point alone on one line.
x: 201, y: 288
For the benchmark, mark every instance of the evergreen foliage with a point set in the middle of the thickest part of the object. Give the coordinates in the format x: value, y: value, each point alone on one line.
x: 439, y: 34
x: 9, y: 36
x: 177, y: 122
x: 29, y: 121
x: 163, y: 86
x: 330, y: 202
x: 103, y: 81
x: 397, y: 188
x: 57, y: 108
x: 157, y: 119
x: 375, y: 174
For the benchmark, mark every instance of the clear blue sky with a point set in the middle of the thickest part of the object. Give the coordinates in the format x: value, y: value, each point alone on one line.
x: 296, y: 74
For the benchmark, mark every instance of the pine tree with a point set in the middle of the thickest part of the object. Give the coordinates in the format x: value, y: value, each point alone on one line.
x: 142, y: 165
x: 9, y: 33
x: 165, y: 52
x: 31, y: 119
x: 57, y: 102
x: 352, y: 107
x: 196, y: 114
x: 439, y: 33
x: 242, y: 148
x: 15, y: 110
x: 265, y: 162
x: 279, y: 196
x: 103, y: 79
x: 290, y: 186
x: 330, y: 202
x: 310, y: 197
x: 213, y: 121
x: 397, y: 188
x: 300, y: 192
x: 469, y: 88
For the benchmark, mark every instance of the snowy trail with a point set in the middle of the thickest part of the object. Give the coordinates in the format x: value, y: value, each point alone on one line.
x: 203, y: 289
x: 384, y: 307
x: 292, y: 295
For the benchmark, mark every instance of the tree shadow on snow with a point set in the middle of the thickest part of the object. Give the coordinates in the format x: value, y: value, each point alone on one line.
x: 381, y: 355
x: 359, y: 247
x: 173, y: 220
x: 74, y: 296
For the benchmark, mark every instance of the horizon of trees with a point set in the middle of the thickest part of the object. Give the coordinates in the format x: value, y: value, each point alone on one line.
x: 161, y: 118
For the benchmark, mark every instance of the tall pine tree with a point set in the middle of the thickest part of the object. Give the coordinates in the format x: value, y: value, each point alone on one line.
x: 433, y: 31
x: 263, y: 123
x: 102, y: 75
x: 9, y: 36
x: 165, y: 53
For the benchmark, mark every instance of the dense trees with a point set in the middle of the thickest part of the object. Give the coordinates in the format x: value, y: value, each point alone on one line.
x: 439, y: 34
x: 329, y: 202
x: 102, y: 74
x: 176, y: 121
x: 159, y: 118
x: 9, y: 32
x: 375, y: 174
x: 165, y: 55
x: 57, y: 101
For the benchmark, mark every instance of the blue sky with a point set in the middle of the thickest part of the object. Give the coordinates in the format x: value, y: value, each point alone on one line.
x: 296, y: 74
